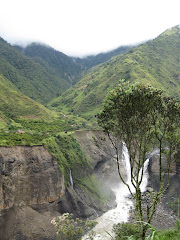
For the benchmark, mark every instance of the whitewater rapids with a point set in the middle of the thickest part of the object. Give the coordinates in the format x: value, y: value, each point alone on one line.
x: 113, y: 216
x: 104, y: 227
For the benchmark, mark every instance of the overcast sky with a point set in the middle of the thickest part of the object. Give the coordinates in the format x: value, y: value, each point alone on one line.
x: 83, y: 27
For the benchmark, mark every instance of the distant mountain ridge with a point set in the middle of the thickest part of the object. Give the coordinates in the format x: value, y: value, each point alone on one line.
x: 93, y: 60
x: 154, y: 63
x: 30, y: 77
x: 35, y: 72
x: 64, y: 66
x: 42, y: 73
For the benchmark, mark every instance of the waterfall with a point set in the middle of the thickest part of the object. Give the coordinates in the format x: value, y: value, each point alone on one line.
x: 70, y: 178
x: 95, y: 213
x: 121, y: 212
x: 145, y: 176
x: 126, y: 161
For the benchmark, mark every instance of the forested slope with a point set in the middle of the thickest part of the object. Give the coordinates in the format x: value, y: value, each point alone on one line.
x: 33, y: 79
x: 54, y: 61
x: 14, y: 105
x: 155, y: 63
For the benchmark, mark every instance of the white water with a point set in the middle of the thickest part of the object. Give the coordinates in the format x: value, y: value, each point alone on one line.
x: 121, y: 212
x: 125, y: 159
x: 71, y: 179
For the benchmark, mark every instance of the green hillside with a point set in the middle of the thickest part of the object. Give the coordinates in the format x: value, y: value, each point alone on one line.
x: 52, y: 60
x: 14, y: 105
x: 155, y: 63
x: 33, y: 79
x: 26, y: 122
x: 94, y: 60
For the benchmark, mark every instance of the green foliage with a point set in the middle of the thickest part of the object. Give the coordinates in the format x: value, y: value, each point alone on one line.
x: 69, y: 155
x: 30, y: 132
x: 140, y: 116
x: 67, y: 151
x: 131, y: 232
x: 69, y: 228
x: 12, y: 139
x: 37, y: 78
x: 54, y: 61
x: 44, y: 127
x: 170, y: 234
x: 137, y: 111
x: 154, y: 63
x: 123, y: 230
x: 14, y: 104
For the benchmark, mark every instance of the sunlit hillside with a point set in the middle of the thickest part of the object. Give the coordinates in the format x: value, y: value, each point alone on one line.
x: 155, y: 63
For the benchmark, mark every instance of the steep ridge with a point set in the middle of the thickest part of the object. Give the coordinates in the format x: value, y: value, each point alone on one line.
x: 93, y: 60
x: 32, y: 193
x: 154, y: 63
x: 30, y: 77
x: 13, y: 105
x: 34, y: 190
x: 54, y: 61
x: 30, y: 185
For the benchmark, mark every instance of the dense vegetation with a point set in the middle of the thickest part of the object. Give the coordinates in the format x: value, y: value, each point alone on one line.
x: 68, y: 153
x: 141, y: 117
x: 54, y: 61
x: 154, y: 63
x: 14, y: 105
x: 130, y: 231
x: 35, y: 79
x: 40, y: 73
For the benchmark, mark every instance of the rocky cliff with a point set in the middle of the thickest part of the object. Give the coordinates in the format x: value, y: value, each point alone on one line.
x: 101, y: 157
x: 29, y: 176
x: 33, y: 192
x: 171, y: 196
x: 30, y: 185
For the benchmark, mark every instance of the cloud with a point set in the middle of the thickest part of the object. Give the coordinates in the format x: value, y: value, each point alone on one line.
x: 84, y: 27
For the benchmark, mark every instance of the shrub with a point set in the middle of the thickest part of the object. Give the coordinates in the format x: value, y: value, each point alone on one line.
x: 123, y: 230
x: 69, y: 228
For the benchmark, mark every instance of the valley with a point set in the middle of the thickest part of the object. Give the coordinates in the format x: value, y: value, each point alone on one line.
x: 50, y: 162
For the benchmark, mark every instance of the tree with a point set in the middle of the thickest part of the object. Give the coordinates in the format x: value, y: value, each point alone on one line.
x: 142, y: 117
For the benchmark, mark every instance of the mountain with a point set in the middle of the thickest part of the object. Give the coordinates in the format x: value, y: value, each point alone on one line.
x: 35, y: 79
x: 53, y: 60
x: 154, y: 63
x: 93, y: 60
x: 14, y: 105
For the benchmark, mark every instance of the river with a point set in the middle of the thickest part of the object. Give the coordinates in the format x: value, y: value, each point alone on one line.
x: 120, y: 214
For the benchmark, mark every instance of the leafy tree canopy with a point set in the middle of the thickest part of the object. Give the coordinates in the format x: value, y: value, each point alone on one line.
x: 141, y: 116
x: 139, y: 112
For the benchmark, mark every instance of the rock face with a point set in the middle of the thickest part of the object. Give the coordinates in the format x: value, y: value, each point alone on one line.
x: 31, y: 184
x: 29, y: 176
x: 32, y: 193
x: 32, y: 190
x: 102, y: 161
x: 72, y: 202
x: 172, y: 194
